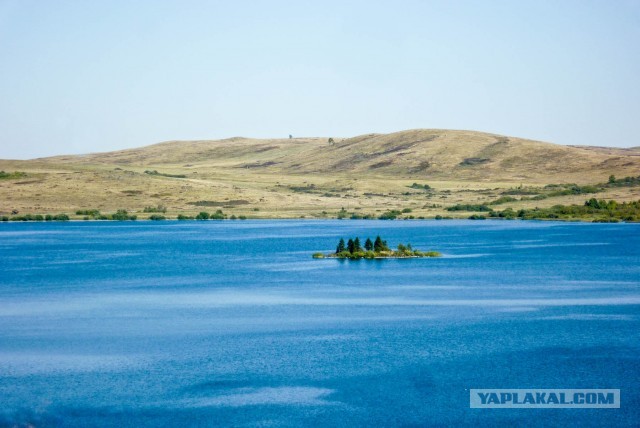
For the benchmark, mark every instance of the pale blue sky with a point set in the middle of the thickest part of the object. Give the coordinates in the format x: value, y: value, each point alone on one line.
x: 85, y: 76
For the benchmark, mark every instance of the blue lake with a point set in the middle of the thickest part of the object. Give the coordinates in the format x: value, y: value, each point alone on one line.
x: 234, y: 324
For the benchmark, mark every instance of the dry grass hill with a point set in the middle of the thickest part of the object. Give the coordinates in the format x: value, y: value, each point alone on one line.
x: 315, y: 177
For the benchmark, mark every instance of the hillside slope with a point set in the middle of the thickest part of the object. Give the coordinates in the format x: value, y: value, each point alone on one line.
x: 315, y: 176
x: 422, y: 153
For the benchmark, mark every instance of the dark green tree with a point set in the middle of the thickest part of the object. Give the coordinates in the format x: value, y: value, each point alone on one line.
x: 593, y: 203
x: 356, y: 245
x: 351, y: 246
x: 218, y: 215
x: 340, y: 248
x: 612, y: 179
x: 377, y: 245
x: 368, y: 245
x: 119, y: 215
x: 203, y: 215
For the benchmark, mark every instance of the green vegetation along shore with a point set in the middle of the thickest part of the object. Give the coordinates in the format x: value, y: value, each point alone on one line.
x: 593, y: 210
x: 596, y: 211
x: 378, y: 249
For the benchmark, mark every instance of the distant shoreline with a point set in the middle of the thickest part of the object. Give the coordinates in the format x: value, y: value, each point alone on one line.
x: 458, y: 219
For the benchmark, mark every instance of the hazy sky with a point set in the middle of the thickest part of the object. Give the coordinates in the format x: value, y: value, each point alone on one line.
x: 85, y: 76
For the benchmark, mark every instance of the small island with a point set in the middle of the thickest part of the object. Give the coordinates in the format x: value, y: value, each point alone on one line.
x: 377, y: 249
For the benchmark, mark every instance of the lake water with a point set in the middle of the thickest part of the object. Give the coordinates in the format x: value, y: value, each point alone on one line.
x: 234, y: 324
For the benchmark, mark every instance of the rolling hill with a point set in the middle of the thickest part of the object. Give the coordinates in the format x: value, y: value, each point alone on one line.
x: 308, y: 176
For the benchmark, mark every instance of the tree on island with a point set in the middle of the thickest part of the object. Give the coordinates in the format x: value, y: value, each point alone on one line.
x: 380, y: 245
x: 368, y: 245
x: 405, y: 249
x: 351, y: 246
x: 356, y: 246
x: 340, y: 248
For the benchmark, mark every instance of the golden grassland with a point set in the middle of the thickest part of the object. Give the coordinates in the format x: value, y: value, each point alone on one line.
x: 313, y: 178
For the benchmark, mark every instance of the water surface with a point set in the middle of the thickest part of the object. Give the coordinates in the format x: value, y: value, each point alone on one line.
x: 234, y: 324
